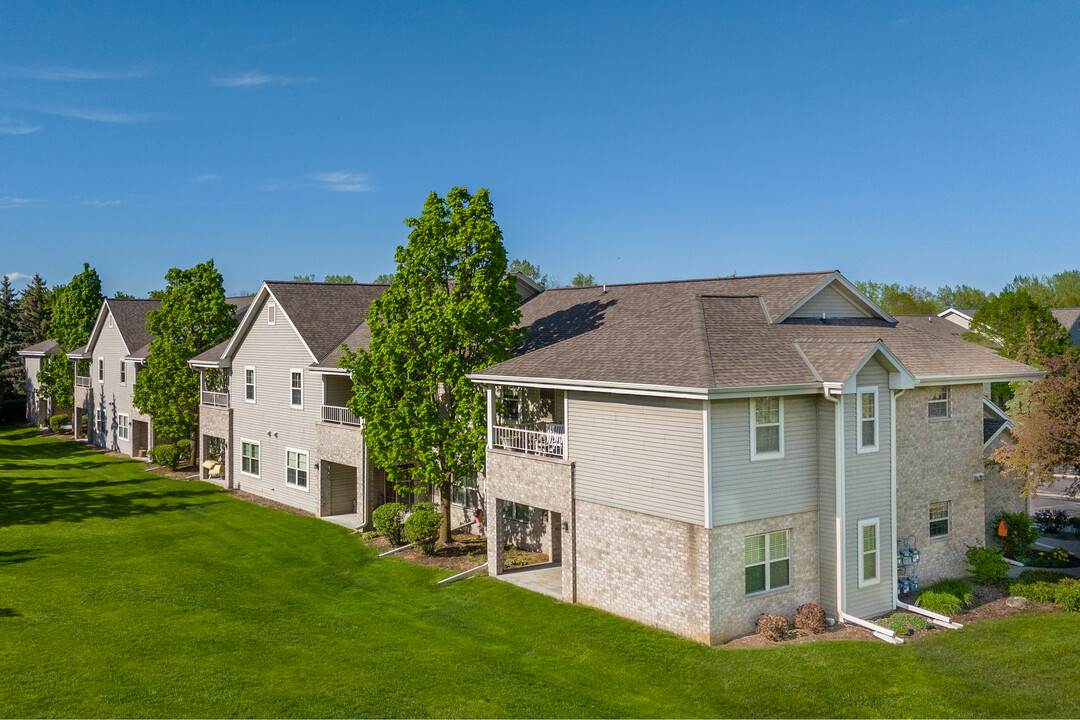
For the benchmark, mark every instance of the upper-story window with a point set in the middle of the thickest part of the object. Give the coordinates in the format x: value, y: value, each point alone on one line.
x: 249, y: 384
x: 766, y: 428
x: 938, y: 406
x: 511, y: 404
x: 868, y: 425
x: 123, y: 373
x: 101, y: 369
x: 296, y: 388
x: 271, y: 314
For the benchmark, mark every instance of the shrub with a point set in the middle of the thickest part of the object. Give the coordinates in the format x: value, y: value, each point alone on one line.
x: 1052, y: 521
x: 166, y: 455
x: 917, y: 622
x: 987, y: 565
x: 1074, y: 523
x: 56, y: 422
x: 1021, y: 534
x: 939, y: 602
x: 1033, y: 576
x: 389, y: 521
x: 1068, y: 596
x: 772, y: 627
x: 810, y: 616
x: 959, y: 588
x: 422, y: 528
x: 903, y: 623
x: 1040, y: 591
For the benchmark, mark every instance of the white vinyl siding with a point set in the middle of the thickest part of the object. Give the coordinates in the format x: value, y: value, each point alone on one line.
x: 249, y: 384
x: 869, y: 552
x: 249, y: 458
x: 766, y: 428
x: 296, y: 389
x: 111, y: 395
x: 296, y: 468
x: 867, y: 428
x: 638, y: 453
x: 833, y: 302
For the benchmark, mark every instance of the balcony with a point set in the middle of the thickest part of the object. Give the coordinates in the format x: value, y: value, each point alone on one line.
x: 340, y: 416
x: 548, y: 442
x: 82, y: 381
x: 215, y: 399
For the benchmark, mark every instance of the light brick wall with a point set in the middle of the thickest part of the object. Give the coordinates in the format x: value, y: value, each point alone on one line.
x: 935, y: 462
x: 733, y: 612
x: 1000, y: 493
x: 650, y: 569
x: 216, y: 422
x: 341, y: 444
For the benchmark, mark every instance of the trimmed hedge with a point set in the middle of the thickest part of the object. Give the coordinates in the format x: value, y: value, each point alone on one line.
x: 167, y: 455
x: 56, y: 422
x: 389, y: 521
x: 422, y: 528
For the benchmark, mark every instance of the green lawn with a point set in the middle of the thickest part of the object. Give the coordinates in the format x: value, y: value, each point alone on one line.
x: 125, y: 594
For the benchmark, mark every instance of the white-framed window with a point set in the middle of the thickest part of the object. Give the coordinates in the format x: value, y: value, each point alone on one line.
x: 466, y: 492
x: 249, y: 384
x: 249, y: 458
x: 123, y: 426
x: 123, y: 372
x: 766, y: 428
x: 296, y: 468
x: 517, y: 511
x: 869, y: 555
x: 937, y: 408
x: 101, y: 422
x: 101, y: 369
x: 271, y: 314
x: 939, y: 519
x: 511, y: 404
x: 767, y: 562
x: 867, y: 430
x: 296, y: 388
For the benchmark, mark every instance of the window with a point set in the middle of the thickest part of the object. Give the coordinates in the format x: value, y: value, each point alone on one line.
x: 123, y: 373
x: 867, y: 430
x: 465, y: 492
x: 938, y: 406
x: 296, y: 385
x: 296, y: 468
x: 271, y: 314
x: 101, y: 369
x: 511, y: 397
x: 123, y: 423
x: 249, y: 458
x: 939, y: 519
x: 767, y: 561
x: 101, y: 421
x: 766, y: 428
x: 516, y: 511
x: 249, y: 384
x: 868, y: 553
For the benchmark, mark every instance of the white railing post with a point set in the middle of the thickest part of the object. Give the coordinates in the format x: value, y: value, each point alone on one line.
x: 340, y: 415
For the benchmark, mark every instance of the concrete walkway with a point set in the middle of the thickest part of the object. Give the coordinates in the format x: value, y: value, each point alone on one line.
x: 348, y: 520
x: 545, y: 579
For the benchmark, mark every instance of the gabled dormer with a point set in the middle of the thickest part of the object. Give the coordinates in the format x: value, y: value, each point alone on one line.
x: 835, y: 298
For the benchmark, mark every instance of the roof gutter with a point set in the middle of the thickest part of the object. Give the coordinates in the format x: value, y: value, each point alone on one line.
x: 924, y: 380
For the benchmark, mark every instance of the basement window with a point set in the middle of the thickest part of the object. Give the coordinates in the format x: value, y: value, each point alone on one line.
x: 767, y: 562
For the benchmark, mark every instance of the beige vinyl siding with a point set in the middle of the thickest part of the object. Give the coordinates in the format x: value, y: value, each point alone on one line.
x: 32, y: 365
x: 275, y: 350
x: 745, y: 490
x: 639, y: 453
x: 336, y: 389
x: 832, y: 302
x: 826, y: 503
x: 341, y: 490
x: 868, y: 485
x: 111, y: 395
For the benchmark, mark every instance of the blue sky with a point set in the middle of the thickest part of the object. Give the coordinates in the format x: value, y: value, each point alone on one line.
x: 924, y: 143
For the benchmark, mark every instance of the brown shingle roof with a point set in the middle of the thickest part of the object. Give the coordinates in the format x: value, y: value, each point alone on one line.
x: 130, y: 318
x: 45, y: 347
x: 324, y: 313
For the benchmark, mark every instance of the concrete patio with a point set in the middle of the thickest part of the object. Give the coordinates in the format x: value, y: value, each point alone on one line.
x: 545, y: 579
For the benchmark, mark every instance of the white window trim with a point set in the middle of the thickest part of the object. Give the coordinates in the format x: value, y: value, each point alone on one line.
x: 125, y: 427
x: 947, y: 519
x: 102, y: 423
x: 769, y: 590
x: 254, y: 384
x: 242, y: 470
x: 859, y: 447
x: 101, y: 370
x: 271, y: 314
x: 948, y: 406
x: 863, y: 582
x: 307, y: 457
x: 300, y: 372
x: 754, y: 454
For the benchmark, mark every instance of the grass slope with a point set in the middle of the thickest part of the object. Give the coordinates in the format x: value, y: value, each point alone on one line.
x: 125, y: 594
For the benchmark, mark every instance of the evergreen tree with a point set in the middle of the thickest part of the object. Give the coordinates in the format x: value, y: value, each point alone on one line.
x: 34, y: 312
x: 12, y: 377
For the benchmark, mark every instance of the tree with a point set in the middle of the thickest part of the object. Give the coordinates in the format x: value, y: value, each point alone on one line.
x: 962, y: 296
x: 120, y: 295
x: 74, y: 310
x: 530, y: 271
x: 582, y: 280
x: 303, y: 278
x: 34, y: 312
x: 897, y: 300
x: 1047, y: 433
x: 343, y: 279
x: 193, y: 317
x: 11, y: 365
x: 1020, y: 324
x: 383, y: 279
x: 1052, y: 291
x: 451, y: 309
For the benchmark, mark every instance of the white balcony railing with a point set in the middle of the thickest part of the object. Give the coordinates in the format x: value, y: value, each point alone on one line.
x: 547, y: 443
x: 217, y: 399
x: 340, y: 416
x: 82, y: 381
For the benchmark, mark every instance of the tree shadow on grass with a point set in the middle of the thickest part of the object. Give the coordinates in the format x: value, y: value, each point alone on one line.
x: 14, y: 557
x: 9, y: 613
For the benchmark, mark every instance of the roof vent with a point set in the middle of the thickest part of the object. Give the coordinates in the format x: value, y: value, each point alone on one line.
x: 604, y: 291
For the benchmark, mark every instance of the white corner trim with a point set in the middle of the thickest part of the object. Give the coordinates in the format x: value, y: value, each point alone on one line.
x: 706, y: 421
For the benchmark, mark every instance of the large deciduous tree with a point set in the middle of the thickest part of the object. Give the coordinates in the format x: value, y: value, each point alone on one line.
x: 193, y: 317
x: 74, y: 310
x: 450, y: 309
x: 1020, y: 324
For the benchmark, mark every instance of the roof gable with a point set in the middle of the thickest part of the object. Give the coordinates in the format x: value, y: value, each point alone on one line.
x: 835, y: 297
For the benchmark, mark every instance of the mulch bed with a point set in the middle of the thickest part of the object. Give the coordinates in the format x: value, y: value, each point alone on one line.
x: 798, y: 637
x: 464, y: 552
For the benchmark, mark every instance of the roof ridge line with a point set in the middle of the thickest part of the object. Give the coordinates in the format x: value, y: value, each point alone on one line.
x: 695, y: 280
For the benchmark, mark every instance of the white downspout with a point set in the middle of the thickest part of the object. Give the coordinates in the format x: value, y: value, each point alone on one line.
x: 892, y: 450
x: 839, y: 499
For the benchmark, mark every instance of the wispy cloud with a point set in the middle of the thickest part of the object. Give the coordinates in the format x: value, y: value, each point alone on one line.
x: 17, y: 278
x: 257, y: 79
x: 207, y: 178
x: 342, y: 181
x: 100, y: 203
x: 96, y: 115
x: 14, y: 202
x: 69, y: 73
x: 10, y: 126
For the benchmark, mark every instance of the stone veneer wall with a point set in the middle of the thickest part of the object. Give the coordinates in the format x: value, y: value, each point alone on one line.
x: 215, y: 422
x: 935, y: 462
x: 650, y: 569
x: 733, y: 612
x: 999, y: 492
